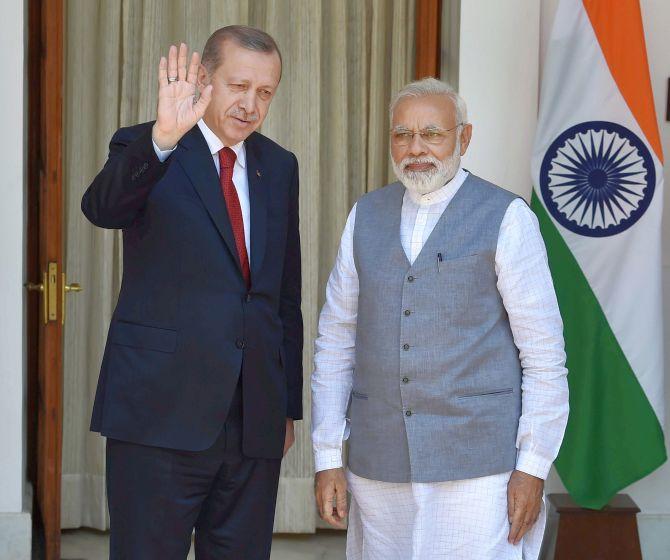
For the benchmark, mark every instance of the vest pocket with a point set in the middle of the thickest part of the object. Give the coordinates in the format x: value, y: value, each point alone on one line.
x: 487, y: 393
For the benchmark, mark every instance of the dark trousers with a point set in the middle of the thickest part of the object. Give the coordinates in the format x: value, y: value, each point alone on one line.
x: 158, y: 496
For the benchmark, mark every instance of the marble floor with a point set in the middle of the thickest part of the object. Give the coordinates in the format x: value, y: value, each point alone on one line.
x: 83, y: 544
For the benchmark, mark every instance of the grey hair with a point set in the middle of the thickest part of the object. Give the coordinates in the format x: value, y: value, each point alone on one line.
x: 431, y: 86
x: 242, y: 35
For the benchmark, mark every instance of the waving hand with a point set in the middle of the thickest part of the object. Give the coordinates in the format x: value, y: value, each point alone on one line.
x: 178, y: 110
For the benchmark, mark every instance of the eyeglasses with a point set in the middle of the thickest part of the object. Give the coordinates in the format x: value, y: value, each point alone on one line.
x: 432, y: 135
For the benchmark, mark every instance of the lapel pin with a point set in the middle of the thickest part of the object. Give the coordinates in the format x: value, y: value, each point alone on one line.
x: 258, y: 173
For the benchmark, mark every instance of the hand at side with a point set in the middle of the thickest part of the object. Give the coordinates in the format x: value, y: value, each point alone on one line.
x: 330, y: 489
x: 289, y: 439
x: 524, y: 500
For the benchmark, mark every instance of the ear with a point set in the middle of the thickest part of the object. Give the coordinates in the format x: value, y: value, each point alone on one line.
x: 466, y: 136
x: 203, y: 78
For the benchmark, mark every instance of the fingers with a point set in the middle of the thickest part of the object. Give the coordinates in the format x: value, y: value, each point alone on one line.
x: 201, y: 105
x: 331, y: 498
x: 181, y: 62
x: 517, y: 524
x: 162, y: 72
x: 510, y: 504
x: 192, y: 76
x: 341, y: 498
x: 319, y: 498
x: 327, y: 496
x: 172, y: 62
x: 523, y: 517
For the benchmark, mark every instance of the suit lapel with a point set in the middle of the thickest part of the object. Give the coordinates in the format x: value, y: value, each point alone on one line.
x: 258, y: 202
x: 196, y: 160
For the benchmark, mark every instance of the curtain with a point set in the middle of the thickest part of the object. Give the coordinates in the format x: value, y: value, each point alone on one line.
x: 343, y: 59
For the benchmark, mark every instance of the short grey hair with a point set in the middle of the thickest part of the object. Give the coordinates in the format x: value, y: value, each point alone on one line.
x: 242, y: 35
x: 431, y: 86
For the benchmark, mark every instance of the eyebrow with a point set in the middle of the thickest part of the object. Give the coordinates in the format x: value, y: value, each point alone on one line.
x: 245, y: 81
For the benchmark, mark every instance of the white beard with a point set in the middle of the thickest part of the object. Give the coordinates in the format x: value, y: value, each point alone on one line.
x: 424, y: 182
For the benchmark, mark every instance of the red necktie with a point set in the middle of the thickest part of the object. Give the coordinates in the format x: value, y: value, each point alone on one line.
x: 226, y: 162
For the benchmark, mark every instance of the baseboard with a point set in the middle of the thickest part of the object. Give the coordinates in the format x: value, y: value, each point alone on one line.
x: 15, y: 535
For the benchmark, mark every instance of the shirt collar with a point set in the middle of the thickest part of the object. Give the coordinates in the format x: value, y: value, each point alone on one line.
x: 215, y: 144
x: 443, y: 193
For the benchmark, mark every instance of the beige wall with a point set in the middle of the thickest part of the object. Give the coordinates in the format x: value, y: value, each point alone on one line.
x: 499, y: 82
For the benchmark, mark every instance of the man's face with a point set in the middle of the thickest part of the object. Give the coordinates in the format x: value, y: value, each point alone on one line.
x: 243, y: 86
x: 422, y: 165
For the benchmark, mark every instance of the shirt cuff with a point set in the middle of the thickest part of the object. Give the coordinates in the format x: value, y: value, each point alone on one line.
x: 328, y: 459
x: 162, y: 155
x: 533, y: 464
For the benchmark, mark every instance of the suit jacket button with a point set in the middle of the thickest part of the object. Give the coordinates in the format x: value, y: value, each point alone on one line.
x: 407, y: 312
x: 410, y: 278
x: 405, y: 346
x: 240, y: 344
x: 405, y: 379
x: 248, y: 298
x: 408, y: 413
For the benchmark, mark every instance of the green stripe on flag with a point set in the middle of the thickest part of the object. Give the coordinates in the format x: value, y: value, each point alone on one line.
x: 613, y: 437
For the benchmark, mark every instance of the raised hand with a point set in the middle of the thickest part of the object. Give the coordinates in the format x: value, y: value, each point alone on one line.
x: 177, y: 109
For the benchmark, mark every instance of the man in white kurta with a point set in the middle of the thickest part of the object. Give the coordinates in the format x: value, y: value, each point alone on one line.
x: 495, y: 517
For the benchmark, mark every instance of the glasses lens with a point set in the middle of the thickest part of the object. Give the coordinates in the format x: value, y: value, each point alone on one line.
x: 402, y: 138
x: 431, y: 136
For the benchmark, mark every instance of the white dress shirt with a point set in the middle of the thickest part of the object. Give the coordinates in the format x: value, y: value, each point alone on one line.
x: 527, y: 291
x: 240, y: 179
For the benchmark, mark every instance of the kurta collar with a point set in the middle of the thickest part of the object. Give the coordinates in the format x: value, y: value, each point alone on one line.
x: 443, y: 193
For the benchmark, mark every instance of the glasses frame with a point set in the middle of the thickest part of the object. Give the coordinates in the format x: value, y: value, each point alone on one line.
x: 443, y: 134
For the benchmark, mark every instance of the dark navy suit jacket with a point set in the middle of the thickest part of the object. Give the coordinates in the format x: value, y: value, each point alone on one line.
x: 185, y: 326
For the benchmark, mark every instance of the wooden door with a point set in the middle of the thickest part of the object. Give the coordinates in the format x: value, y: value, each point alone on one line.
x: 45, y: 268
x: 427, y: 42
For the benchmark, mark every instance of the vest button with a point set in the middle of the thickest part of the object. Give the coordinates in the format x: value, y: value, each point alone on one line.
x: 407, y: 312
x: 405, y: 379
x: 410, y: 278
x: 408, y: 413
x: 240, y: 344
x: 405, y: 346
x: 248, y: 298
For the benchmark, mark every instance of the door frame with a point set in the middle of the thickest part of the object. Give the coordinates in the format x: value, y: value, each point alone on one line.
x: 427, y: 42
x: 45, y: 245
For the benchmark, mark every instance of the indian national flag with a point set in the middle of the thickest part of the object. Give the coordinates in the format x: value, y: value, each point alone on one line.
x: 598, y: 191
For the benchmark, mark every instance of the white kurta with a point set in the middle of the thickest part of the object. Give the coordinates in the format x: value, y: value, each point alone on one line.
x: 454, y: 519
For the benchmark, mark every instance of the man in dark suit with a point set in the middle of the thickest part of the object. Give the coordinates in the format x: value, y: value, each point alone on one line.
x: 202, y: 373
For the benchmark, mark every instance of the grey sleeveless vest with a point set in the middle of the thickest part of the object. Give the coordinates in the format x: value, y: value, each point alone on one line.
x: 437, y: 382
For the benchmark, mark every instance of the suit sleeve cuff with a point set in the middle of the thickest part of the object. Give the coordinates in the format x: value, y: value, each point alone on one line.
x: 327, y: 459
x: 533, y: 464
x: 294, y: 405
